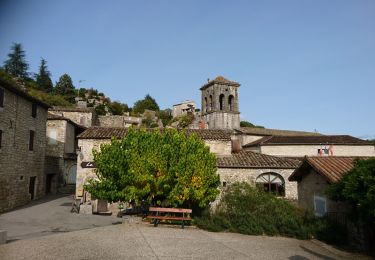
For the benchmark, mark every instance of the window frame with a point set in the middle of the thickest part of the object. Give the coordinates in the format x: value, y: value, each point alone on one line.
x: 34, y: 109
x: 322, y: 199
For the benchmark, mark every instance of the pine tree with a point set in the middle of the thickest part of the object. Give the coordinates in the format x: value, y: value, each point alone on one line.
x: 16, y: 64
x: 65, y: 87
x: 43, y: 79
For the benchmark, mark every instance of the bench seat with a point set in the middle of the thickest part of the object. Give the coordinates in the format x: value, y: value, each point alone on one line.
x: 165, y: 214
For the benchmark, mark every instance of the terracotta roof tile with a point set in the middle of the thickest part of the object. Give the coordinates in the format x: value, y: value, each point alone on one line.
x: 319, y: 139
x: 330, y: 167
x: 246, y: 159
x: 96, y: 132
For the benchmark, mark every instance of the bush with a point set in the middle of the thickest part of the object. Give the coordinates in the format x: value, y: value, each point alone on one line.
x: 247, y: 210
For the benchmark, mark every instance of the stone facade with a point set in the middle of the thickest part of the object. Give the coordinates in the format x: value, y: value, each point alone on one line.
x: 218, y: 147
x: 61, y: 159
x: 183, y: 108
x: 220, y: 108
x: 314, y: 185
x: 86, y: 155
x: 312, y: 150
x: 249, y: 175
x: 119, y: 121
x: 81, y: 116
x: 22, y: 163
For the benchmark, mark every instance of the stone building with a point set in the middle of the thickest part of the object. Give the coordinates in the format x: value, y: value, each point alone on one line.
x: 22, y: 147
x: 81, y: 116
x: 220, y: 108
x: 183, y: 108
x: 314, y: 176
x: 269, y: 173
x: 119, y: 121
x: 61, y: 157
x: 299, y: 146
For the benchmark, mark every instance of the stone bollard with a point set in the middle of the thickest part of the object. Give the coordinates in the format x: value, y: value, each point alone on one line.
x: 3, y: 237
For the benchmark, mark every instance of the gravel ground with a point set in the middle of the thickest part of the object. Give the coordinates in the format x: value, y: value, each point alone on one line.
x: 140, y: 241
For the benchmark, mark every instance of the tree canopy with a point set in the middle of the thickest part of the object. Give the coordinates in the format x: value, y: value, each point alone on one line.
x: 16, y: 64
x: 248, y: 124
x: 43, y: 78
x: 163, y: 167
x: 147, y: 103
x: 65, y: 87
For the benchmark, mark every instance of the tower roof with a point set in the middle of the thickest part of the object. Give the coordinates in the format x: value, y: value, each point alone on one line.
x: 220, y: 80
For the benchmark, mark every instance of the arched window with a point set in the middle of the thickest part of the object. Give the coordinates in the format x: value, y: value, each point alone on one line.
x: 221, y: 101
x: 230, y: 103
x: 211, y: 103
x: 205, y: 106
x: 271, y: 182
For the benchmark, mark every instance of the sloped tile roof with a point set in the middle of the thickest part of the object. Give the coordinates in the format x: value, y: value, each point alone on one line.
x: 220, y: 80
x: 330, y: 167
x: 96, y: 132
x: 319, y: 139
x: 269, y: 132
x: 247, y: 159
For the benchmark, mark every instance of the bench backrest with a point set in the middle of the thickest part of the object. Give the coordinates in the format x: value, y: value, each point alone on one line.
x: 173, y: 210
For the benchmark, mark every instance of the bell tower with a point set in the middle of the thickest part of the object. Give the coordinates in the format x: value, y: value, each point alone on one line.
x: 220, y: 108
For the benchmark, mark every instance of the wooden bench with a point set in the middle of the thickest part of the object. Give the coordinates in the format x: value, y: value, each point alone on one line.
x: 156, y: 214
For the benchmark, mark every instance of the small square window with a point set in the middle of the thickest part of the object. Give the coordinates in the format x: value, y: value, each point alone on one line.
x: 31, y: 140
x: 33, y: 110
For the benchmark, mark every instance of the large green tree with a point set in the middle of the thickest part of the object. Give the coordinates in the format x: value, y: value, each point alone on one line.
x: 163, y: 167
x: 65, y: 87
x: 147, y: 103
x: 43, y: 78
x: 16, y: 64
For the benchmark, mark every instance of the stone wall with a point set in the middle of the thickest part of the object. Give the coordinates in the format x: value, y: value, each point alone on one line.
x: 313, y: 184
x: 119, y: 121
x: 85, y: 155
x: 18, y: 164
x: 219, y: 147
x: 249, y: 175
x: 56, y: 137
x: 83, y: 118
x: 312, y: 150
x: 222, y: 120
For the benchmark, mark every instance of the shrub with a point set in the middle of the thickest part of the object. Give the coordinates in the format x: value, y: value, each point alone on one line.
x: 247, y: 210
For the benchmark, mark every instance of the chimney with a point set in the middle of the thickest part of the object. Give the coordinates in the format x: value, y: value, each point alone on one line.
x: 236, y: 146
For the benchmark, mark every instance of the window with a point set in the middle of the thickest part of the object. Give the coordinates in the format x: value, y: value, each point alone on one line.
x: 210, y: 102
x: 33, y: 110
x: 31, y: 140
x: 206, y: 104
x: 221, y: 101
x: 230, y: 103
x: 1, y: 97
x: 320, y: 206
x: 271, y: 182
x: 1, y: 137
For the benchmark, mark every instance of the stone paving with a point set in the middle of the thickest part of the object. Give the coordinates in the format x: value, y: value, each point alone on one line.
x: 28, y: 226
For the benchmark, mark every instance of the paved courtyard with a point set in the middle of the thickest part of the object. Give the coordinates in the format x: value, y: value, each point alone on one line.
x: 41, y: 231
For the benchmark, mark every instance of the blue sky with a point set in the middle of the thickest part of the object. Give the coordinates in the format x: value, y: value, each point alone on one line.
x: 302, y: 65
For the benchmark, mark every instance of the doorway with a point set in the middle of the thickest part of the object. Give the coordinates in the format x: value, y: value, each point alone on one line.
x: 32, y: 187
x: 49, y: 181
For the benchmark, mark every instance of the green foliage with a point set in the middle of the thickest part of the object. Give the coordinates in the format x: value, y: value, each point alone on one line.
x: 185, y: 120
x: 357, y: 187
x: 16, y: 64
x: 165, y: 117
x: 248, y: 210
x: 82, y: 92
x: 163, y: 167
x: 65, y: 88
x: 147, y: 103
x: 50, y: 99
x: 100, y: 110
x: 248, y: 124
x: 43, y: 78
x: 117, y: 108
